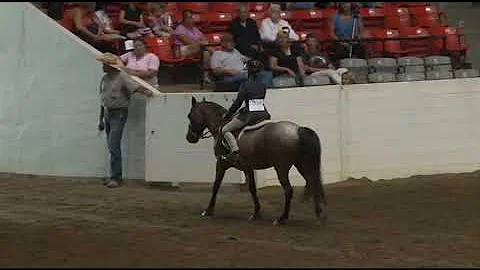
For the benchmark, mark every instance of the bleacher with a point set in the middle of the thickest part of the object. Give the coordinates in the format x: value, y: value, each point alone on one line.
x: 400, y: 30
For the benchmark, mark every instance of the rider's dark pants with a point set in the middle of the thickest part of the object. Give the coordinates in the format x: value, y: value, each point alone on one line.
x: 115, y: 120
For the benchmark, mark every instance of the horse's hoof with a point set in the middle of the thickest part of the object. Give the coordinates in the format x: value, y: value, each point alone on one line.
x: 206, y: 214
x: 279, y: 221
x: 323, y: 218
x: 254, y: 217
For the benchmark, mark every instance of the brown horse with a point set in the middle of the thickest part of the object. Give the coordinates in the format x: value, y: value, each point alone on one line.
x: 280, y: 145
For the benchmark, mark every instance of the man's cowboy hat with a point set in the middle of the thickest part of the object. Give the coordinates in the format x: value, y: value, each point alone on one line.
x: 110, y: 59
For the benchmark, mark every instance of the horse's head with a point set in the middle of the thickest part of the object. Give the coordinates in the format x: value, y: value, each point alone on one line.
x: 197, y: 121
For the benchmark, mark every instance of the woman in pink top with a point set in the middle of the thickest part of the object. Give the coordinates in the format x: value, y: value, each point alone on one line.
x: 141, y: 63
x: 190, y: 40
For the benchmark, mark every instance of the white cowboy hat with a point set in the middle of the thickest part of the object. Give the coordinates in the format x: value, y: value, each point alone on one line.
x: 110, y: 59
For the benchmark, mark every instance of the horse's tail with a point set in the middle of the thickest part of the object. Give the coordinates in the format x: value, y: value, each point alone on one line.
x: 309, y: 163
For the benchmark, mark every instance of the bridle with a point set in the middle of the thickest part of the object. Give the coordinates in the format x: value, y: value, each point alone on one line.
x: 200, y: 130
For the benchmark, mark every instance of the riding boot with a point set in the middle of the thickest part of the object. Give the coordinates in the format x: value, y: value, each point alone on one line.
x: 234, y: 156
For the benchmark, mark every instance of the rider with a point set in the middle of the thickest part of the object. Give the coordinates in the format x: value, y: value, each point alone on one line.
x: 252, y: 92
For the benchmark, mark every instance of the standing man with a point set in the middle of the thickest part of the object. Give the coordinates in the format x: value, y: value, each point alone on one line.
x: 116, y: 89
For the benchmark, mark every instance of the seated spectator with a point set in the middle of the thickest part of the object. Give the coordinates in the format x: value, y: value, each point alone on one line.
x: 131, y: 20
x: 103, y: 18
x: 190, y: 42
x: 300, y: 5
x: 315, y: 58
x: 288, y: 61
x: 229, y: 64
x: 159, y: 21
x: 245, y: 33
x: 342, y: 28
x: 312, y: 50
x: 87, y: 27
x: 271, y: 26
x: 142, y: 63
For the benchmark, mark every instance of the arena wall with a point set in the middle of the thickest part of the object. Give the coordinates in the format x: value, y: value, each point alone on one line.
x: 49, y: 109
x: 49, y: 83
x: 380, y: 131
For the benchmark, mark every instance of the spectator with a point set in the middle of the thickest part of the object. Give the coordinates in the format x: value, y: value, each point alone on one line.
x: 190, y: 41
x: 288, y: 61
x: 103, y: 18
x: 141, y: 63
x: 245, y: 33
x: 230, y: 64
x: 342, y: 27
x: 87, y: 27
x: 313, y: 57
x: 116, y: 89
x: 271, y: 26
x: 131, y: 20
x: 313, y: 49
x: 160, y: 21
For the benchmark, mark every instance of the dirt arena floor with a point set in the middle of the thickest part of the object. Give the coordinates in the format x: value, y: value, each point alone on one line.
x: 424, y: 221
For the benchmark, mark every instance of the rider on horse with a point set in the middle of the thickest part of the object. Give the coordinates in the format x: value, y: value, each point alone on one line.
x: 252, y: 92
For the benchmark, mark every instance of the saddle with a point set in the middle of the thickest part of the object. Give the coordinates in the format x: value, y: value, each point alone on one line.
x: 238, y: 133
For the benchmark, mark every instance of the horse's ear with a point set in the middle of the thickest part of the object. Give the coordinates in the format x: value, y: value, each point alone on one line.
x: 203, y: 100
x: 194, y: 100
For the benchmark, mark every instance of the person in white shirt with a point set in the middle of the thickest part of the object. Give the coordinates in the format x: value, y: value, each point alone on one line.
x: 229, y: 64
x: 270, y: 27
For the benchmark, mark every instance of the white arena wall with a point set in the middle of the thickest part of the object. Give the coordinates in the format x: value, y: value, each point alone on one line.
x: 48, y: 116
x: 49, y: 101
x: 380, y: 131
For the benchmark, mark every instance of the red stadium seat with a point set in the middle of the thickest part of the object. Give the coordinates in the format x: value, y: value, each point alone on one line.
x: 454, y: 41
x: 162, y: 48
x: 390, y: 48
x: 196, y: 7
x: 420, y: 43
x: 396, y: 18
x: 374, y: 48
x: 306, y: 19
x: 372, y: 17
x: 214, y: 38
x: 425, y: 16
x: 218, y: 22
x: 223, y: 7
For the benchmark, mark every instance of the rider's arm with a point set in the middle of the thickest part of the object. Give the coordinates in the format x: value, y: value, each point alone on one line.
x: 236, y: 103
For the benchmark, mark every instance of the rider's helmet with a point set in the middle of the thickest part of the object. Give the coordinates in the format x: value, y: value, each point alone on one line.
x: 253, y: 67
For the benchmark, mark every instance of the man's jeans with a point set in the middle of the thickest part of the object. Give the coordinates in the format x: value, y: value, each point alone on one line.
x: 266, y: 76
x: 115, y: 120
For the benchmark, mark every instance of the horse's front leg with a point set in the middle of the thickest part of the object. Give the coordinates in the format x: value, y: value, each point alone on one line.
x: 221, y: 168
x: 250, y: 175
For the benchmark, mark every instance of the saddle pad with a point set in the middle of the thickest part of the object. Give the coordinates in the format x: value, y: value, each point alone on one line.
x: 255, y: 127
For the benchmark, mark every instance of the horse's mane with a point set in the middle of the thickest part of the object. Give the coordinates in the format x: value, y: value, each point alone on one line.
x: 216, y: 108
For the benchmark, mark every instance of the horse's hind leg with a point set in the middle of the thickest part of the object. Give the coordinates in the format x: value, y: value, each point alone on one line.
x: 313, y: 187
x: 250, y: 175
x: 282, y: 174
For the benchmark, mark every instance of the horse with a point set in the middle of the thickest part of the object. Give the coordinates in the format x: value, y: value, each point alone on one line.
x: 280, y: 144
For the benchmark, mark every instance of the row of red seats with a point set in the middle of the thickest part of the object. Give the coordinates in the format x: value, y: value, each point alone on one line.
x: 214, y: 17
x: 415, y: 41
